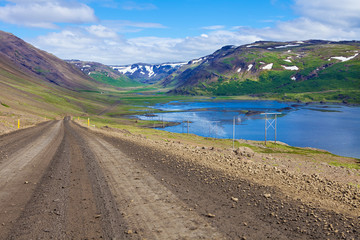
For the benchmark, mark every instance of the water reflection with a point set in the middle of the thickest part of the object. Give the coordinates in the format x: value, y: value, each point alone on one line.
x: 331, y: 127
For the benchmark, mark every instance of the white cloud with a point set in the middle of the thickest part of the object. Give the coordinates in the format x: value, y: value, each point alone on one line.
x: 99, y: 43
x: 303, y: 29
x: 101, y: 31
x: 45, y: 13
x: 130, y: 26
x: 319, y: 19
x: 214, y: 27
x: 344, y: 13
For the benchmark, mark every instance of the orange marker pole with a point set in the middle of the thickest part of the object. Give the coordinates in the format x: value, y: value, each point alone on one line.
x: 88, y: 122
x: 18, y: 123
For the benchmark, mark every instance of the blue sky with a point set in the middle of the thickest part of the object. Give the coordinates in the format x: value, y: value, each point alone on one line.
x: 156, y: 31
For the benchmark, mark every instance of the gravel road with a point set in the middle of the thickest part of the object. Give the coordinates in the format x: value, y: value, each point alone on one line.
x: 59, y: 180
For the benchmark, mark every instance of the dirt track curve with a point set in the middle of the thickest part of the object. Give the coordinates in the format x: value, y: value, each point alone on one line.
x: 59, y: 180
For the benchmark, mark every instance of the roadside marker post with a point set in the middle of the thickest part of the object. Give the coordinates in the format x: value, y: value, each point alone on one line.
x: 18, y: 123
x: 88, y: 122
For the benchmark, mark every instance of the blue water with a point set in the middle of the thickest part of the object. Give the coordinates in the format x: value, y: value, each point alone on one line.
x: 335, y: 128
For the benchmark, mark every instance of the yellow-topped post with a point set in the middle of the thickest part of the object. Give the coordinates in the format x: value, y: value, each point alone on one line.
x: 88, y: 122
x: 18, y: 123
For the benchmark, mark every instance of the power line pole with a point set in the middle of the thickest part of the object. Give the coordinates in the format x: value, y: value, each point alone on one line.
x: 233, y: 132
x: 272, y: 122
x: 188, y: 126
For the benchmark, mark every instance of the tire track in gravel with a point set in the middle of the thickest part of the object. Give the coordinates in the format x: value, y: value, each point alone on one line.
x: 25, y: 154
x: 11, y: 142
x: 242, y: 208
x: 71, y: 201
x: 150, y: 209
x: 85, y: 185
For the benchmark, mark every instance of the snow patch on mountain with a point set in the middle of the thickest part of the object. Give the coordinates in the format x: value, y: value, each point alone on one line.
x: 291, y: 68
x: 197, y: 60
x: 173, y: 65
x: 127, y: 69
x: 250, y: 67
x: 252, y: 45
x: 288, y: 45
x: 268, y: 66
x: 150, y: 70
x: 148, y: 73
x: 344, y: 59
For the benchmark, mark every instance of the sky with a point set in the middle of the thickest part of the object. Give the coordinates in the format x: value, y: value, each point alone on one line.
x: 121, y: 32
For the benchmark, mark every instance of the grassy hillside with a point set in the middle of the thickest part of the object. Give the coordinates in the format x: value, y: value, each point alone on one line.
x: 279, y: 70
x: 121, y: 81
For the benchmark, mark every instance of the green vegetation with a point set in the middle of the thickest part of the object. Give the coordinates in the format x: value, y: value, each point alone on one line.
x: 319, y: 77
x: 346, y: 165
x: 40, y: 71
x: 338, y: 82
x: 271, y: 147
x: 269, y: 81
x: 5, y: 105
x: 228, y: 61
x: 123, y: 81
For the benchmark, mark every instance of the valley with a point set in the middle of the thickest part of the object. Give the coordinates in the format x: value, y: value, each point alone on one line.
x: 79, y: 166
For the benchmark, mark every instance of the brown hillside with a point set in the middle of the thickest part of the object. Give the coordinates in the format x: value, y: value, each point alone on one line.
x: 40, y: 64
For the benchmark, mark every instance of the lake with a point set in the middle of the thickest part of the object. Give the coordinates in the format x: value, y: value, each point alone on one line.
x: 335, y: 128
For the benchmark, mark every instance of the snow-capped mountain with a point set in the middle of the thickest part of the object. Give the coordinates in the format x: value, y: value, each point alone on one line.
x: 148, y: 73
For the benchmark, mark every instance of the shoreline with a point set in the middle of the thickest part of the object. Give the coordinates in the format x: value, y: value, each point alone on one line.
x: 293, y: 106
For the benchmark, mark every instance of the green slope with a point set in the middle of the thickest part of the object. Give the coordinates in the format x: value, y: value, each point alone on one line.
x: 121, y: 81
x: 246, y: 70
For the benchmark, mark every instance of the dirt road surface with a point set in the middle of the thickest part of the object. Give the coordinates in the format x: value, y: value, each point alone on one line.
x: 59, y: 180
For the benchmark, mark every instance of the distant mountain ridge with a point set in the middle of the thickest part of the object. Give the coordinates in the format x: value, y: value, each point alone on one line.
x: 148, y: 73
x: 104, y: 74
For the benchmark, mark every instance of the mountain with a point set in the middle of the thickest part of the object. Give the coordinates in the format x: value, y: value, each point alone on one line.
x: 273, y: 67
x: 36, y: 82
x: 40, y: 64
x: 148, y: 73
x: 104, y: 74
